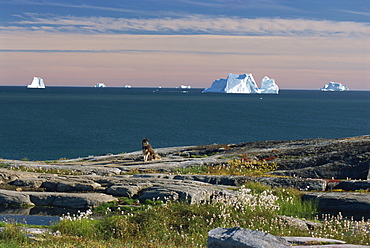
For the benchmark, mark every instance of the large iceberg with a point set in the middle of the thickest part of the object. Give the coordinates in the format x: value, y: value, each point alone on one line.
x: 243, y: 83
x: 37, y: 83
x: 333, y: 86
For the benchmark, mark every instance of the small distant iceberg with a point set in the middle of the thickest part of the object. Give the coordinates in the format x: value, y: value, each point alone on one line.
x: 100, y: 85
x: 127, y: 86
x: 184, y: 87
x: 333, y: 86
x: 37, y: 83
x: 243, y: 84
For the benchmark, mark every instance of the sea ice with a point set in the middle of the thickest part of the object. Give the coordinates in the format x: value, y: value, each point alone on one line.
x: 333, y: 86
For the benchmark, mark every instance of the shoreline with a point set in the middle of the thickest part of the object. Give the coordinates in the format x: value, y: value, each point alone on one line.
x: 333, y: 167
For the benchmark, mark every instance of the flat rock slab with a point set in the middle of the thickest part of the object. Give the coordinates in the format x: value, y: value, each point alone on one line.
x: 54, y: 199
x: 304, y: 184
x: 164, y: 187
x: 311, y: 240
x: 353, y: 185
x: 341, y: 201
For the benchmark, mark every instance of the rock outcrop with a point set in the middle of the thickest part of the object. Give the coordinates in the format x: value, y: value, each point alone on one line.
x: 307, y: 165
x: 246, y: 238
x: 243, y: 237
x: 53, y: 199
x: 345, y: 202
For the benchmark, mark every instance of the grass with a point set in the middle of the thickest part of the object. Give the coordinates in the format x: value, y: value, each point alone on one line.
x: 153, y: 223
x: 238, y: 166
x: 39, y: 169
x: 129, y: 223
x: 232, y: 167
x: 5, y: 165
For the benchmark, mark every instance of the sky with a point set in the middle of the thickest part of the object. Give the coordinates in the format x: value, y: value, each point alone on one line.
x: 148, y: 43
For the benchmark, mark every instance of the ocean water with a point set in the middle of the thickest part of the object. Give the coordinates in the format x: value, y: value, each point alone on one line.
x: 72, y: 122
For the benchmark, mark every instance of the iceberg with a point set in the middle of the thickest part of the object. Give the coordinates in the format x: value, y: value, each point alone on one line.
x: 37, y: 83
x: 100, y: 85
x: 333, y: 86
x: 218, y: 86
x: 268, y: 86
x: 243, y: 83
x: 184, y: 87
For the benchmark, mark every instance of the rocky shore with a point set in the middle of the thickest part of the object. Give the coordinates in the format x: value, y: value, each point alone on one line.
x: 335, y: 172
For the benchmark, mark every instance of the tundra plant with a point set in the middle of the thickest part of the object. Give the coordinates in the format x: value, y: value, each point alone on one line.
x: 179, y: 224
x: 232, y: 167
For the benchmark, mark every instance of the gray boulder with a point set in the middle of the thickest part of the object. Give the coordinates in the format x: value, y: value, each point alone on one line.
x: 243, y: 238
x: 293, y: 222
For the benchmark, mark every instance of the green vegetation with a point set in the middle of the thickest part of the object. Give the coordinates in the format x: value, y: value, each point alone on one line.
x: 204, y: 155
x: 5, y: 165
x: 201, y: 169
x: 49, y: 170
x: 232, y: 167
x: 12, y: 236
x: 153, y: 223
x: 135, y: 171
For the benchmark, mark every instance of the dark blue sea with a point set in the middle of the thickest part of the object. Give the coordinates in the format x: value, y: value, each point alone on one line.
x: 72, y: 122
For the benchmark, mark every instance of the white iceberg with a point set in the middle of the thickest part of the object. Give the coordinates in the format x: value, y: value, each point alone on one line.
x: 100, y: 85
x: 37, y: 83
x: 243, y: 83
x: 333, y: 86
x: 268, y: 86
x: 184, y: 87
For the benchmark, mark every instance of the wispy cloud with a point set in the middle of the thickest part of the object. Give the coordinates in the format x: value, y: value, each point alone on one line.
x: 69, y: 5
x: 194, y: 24
x: 241, y: 4
x: 363, y: 13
